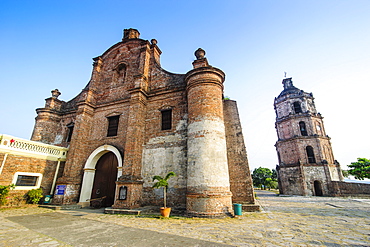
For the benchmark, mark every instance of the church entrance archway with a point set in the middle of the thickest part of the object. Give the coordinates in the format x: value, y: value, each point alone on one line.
x: 318, y: 188
x: 105, y: 179
x: 91, y: 168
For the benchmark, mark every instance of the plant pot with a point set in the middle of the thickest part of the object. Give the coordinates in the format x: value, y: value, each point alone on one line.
x: 165, y: 212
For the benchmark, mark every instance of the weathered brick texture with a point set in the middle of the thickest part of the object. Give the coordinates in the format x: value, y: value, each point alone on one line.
x: 241, y: 184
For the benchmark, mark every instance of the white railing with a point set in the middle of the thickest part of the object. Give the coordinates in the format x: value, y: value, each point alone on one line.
x: 15, y: 145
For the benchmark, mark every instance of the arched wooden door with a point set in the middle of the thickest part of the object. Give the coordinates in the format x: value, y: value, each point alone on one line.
x: 105, y: 179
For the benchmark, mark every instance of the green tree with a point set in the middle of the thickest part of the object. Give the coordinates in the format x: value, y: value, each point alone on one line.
x: 345, y: 173
x: 360, y: 169
x: 271, y: 183
x: 260, y: 175
x: 163, y: 182
x: 274, y: 175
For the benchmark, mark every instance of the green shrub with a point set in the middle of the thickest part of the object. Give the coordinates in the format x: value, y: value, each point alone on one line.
x: 4, y: 192
x: 34, y: 196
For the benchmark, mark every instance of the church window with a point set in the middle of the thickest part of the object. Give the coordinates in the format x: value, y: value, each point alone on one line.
x: 297, y: 107
x: 166, y: 119
x: 302, y: 128
x: 70, y: 132
x: 310, y: 154
x: 113, y: 125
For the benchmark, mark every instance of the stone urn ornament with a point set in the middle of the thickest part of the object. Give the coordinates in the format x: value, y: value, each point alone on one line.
x: 200, y: 53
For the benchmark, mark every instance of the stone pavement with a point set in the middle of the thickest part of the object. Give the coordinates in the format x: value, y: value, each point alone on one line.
x: 284, y: 221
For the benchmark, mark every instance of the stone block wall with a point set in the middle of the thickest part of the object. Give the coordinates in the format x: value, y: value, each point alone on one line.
x: 290, y: 180
x: 351, y: 189
x: 314, y: 173
x: 293, y: 150
x: 335, y: 172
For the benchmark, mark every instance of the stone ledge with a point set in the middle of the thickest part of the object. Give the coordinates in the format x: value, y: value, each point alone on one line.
x: 61, y: 207
x: 71, y: 206
x: 251, y: 208
x: 121, y: 211
x: 53, y: 207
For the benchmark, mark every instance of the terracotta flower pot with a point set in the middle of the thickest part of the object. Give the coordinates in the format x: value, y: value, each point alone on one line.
x: 165, y: 212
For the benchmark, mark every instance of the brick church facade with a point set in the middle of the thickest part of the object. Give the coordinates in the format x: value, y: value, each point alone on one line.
x: 135, y: 120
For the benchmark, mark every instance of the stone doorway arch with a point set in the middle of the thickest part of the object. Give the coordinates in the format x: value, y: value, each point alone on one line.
x: 90, y: 168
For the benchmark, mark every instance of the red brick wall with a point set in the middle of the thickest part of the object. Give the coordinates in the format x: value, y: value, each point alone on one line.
x: 17, y: 163
x: 241, y: 184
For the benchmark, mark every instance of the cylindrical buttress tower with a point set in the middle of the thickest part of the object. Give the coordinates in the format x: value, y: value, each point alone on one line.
x: 208, y: 186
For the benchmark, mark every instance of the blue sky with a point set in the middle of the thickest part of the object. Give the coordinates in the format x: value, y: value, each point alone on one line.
x: 323, y: 45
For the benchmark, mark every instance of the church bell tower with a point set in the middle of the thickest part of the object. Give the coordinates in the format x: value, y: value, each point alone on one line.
x: 306, y: 162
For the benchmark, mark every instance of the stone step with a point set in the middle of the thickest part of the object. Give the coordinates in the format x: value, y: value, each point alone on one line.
x: 61, y: 207
x: 53, y: 207
x: 121, y: 211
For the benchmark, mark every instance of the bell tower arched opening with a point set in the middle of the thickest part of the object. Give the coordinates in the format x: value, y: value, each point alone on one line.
x: 310, y: 154
x: 302, y: 128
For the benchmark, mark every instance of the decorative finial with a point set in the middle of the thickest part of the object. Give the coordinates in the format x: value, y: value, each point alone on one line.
x: 284, y: 74
x: 55, y: 93
x: 200, y: 53
x: 154, y: 41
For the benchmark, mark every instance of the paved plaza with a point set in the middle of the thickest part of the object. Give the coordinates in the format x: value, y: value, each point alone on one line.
x: 284, y: 221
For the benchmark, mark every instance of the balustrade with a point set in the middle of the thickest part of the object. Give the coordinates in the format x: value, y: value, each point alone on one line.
x: 14, y: 144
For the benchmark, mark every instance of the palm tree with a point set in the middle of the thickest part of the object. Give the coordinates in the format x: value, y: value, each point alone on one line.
x: 163, y: 182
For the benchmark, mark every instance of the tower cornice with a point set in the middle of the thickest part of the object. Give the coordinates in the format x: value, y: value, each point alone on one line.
x: 299, y: 115
x: 303, y: 138
x: 204, y: 75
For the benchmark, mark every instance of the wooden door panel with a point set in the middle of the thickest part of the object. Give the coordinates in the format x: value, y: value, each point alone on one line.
x: 105, y: 179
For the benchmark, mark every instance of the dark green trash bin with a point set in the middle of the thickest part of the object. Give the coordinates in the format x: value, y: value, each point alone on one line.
x: 237, y: 209
x: 47, y: 199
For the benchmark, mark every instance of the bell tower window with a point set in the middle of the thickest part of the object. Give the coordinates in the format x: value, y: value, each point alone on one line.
x: 310, y: 154
x: 302, y: 128
x: 297, y: 107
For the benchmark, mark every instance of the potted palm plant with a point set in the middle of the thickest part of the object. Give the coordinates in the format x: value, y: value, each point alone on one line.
x: 163, y: 183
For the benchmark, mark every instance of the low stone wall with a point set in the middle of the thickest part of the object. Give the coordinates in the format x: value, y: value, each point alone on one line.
x: 348, y: 189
